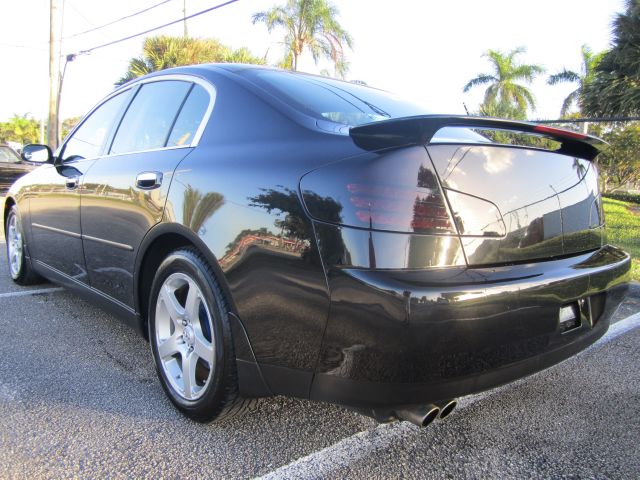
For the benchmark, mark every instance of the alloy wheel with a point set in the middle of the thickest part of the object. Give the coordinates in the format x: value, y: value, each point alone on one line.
x: 14, y: 246
x: 184, y: 336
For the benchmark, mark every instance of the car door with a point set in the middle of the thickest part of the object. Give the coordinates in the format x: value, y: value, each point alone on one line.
x: 54, y: 203
x: 124, y: 192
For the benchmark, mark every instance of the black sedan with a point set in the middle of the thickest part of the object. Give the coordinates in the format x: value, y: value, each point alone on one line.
x: 12, y: 167
x: 281, y: 233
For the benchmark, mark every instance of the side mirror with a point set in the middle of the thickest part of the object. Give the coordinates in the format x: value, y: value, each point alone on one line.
x: 37, y: 153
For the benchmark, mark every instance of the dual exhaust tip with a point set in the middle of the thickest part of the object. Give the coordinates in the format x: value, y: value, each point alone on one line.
x: 424, y: 415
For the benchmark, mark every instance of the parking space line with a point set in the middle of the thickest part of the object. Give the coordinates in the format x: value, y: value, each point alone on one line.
x: 363, y: 444
x: 619, y: 328
x: 26, y: 293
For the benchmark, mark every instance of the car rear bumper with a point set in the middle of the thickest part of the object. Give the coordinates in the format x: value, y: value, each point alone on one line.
x: 418, y: 336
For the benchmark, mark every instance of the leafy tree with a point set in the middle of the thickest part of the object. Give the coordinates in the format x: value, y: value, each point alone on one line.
x: 295, y: 224
x: 620, y: 161
x: 161, y: 52
x: 590, y: 61
x: 20, y: 128
x: 615, y: 89
x: 309, y: 25
x: 67, y: 125
x: 504, y: 90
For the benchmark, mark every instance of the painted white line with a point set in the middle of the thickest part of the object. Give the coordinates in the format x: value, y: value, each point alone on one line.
x: 619, y: 328
x: 347, y: 451
x: 363, y: 444
x: 26, y: 293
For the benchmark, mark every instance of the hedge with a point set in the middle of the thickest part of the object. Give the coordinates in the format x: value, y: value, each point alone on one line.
x: 624, y: 196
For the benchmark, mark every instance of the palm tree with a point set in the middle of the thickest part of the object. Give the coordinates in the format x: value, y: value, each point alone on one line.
x: 309, y: 25
x: 587, y: 71
x: 503, y: 87
x: 197, y: 208
x: 162, y: 52
x: 615, y: 88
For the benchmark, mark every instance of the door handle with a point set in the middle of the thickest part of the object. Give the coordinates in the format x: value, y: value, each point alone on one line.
x: 72, y: 182
x: 149, y: 180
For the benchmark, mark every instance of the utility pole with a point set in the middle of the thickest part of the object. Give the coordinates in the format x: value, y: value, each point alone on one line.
x: 69, y: 58
x: 184, y: 16
x: 52, y: 123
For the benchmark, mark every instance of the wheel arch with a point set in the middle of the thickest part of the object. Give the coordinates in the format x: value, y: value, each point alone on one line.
x: 157, y: 244
x: 8, y: 203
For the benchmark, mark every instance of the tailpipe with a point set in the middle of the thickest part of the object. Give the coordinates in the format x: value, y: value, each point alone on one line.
x: 421, y: 416
x: 446, y: 408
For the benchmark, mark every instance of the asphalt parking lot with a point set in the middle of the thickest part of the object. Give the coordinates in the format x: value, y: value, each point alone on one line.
x: 79, y: 399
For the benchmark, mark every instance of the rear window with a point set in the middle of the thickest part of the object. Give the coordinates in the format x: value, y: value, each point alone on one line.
x: 347, y: 103
x: 333, y: 100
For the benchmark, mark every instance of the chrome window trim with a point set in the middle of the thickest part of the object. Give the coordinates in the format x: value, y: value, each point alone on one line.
x: 209, y: 88
x: 157, y: 149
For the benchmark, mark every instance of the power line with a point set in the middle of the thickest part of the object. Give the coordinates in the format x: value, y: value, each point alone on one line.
x: 88, y: 50
x: 75, y: 9
x: 116, y: 21
x: 590, y: 120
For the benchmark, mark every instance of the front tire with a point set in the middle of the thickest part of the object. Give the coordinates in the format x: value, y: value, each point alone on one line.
x: 20, y: 267
x: 191, y: 339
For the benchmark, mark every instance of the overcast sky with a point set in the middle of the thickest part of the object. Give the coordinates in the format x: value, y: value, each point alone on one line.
x: 425, y: 50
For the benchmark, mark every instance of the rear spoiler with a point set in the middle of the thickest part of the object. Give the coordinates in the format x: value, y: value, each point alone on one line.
x: 419, y: 130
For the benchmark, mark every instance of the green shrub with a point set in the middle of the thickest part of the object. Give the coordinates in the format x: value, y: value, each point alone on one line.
x: 624, y: 196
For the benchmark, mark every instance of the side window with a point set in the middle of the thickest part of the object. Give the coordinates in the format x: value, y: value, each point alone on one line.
x: 149, y: 118
x: 87, y: 140
x: 189, y: 118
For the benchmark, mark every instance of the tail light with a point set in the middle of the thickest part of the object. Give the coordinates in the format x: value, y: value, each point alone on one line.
x: 395, y: 191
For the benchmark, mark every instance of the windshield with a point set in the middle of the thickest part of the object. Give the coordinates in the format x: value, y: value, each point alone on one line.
x: 333, y: 100
x: 8, y: 155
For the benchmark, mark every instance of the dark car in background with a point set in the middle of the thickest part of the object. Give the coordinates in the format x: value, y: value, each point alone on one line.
x: 12, y: 167
x: 273, y: 232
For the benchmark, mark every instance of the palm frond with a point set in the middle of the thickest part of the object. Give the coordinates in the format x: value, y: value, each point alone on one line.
x: 569, y: 101
x: 481, y: 79
x: 310, y: 25
x: 563, y: 76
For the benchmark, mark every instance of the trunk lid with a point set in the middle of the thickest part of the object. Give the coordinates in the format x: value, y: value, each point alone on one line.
x: 509, y: 203
x: 514, y: 204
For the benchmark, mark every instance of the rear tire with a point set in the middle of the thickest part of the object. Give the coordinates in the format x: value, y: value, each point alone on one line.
x: 191, y: 339
x: 20, y: 267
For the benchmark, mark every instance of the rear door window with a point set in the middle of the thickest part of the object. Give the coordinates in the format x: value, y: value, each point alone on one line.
x: 150, y: 117
x: 190, y: 118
